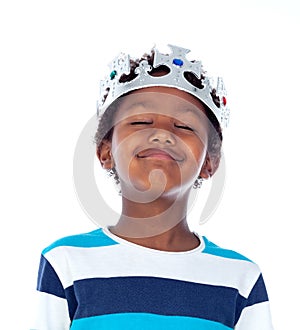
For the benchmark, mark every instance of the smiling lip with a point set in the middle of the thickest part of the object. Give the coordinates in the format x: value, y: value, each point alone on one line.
x: 159, y: 154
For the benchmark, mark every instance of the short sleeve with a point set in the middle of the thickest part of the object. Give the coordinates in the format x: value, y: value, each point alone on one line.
x: 52, y: 310
x: 256, y: 314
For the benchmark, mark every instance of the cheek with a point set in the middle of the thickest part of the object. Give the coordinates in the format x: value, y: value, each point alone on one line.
x: 123, y: 147
x: 195, y: 149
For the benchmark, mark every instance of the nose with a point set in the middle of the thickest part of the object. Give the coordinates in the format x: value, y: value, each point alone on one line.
x: 162, y: 136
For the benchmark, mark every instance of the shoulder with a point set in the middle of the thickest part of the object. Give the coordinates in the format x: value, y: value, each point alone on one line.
x: 230, y: 261
x: 233, y: 267
x: 95, y: 238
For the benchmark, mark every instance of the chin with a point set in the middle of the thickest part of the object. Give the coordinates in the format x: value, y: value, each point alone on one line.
x: 147, y: 192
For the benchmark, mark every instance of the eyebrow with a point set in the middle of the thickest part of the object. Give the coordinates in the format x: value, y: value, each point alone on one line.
x: 180, y: 110
x: 143, y: 104
x: 196, y: 112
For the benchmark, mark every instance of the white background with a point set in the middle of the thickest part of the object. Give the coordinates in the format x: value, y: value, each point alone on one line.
x: 53, y: 54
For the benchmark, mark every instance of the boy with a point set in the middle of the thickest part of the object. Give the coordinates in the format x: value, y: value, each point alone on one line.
x: 160, y: 135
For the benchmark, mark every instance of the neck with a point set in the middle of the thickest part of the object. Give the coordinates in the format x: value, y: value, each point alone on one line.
x: 160, y: 224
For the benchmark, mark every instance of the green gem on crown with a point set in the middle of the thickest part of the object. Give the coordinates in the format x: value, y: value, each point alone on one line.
x: 113, y: 74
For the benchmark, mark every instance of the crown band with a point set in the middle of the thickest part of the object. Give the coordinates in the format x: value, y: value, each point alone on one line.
x: 111, y: 88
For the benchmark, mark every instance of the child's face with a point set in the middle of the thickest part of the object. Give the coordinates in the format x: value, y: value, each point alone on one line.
x: 159, y: 141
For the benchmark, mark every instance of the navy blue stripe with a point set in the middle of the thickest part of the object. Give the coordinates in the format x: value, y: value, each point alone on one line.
x: 259, y: 293
x: 48, y: 280
x: 72, y: 301
x: 100, y: 296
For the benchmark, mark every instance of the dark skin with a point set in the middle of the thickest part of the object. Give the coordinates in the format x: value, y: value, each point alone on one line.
x: 158, y: 148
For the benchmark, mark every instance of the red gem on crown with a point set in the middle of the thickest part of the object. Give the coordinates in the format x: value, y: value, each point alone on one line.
x: 224, y: 100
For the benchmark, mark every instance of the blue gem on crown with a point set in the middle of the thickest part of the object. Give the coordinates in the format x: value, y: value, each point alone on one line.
x: 178, y: 62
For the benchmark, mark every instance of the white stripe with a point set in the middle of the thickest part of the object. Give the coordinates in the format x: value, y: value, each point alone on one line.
x: 52, y: 313
x: 76, y: 263
x: 256, y: 317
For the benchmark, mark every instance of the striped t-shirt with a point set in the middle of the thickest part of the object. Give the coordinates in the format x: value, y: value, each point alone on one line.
x: 100, y: 281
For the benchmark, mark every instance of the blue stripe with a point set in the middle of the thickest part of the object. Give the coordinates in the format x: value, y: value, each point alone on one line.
x: 48, y: 280
x: 211, y: 248
x: 142, y: 321
x: 96, y: 238
x: 100, y: 296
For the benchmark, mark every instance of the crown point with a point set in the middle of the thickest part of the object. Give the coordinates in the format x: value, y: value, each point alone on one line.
x: 178, y: 62
x: 111, y: 87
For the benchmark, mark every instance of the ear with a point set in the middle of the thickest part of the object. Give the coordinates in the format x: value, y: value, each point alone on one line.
x: 104, y: 155
x: 210, y: 166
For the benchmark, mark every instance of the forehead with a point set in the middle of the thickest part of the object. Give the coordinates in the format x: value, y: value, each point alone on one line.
x: 160, y: 100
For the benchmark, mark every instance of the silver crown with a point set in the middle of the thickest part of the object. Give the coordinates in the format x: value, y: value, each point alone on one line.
x: 111, y: 88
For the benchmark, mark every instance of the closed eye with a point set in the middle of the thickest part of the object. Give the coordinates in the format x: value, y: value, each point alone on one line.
x: 185, y: 127
x: 141, y: 123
